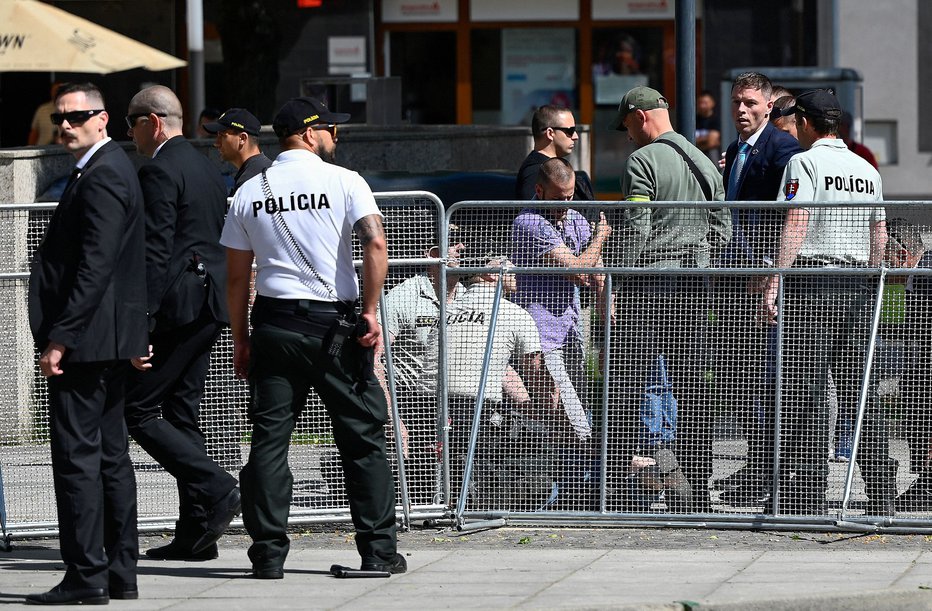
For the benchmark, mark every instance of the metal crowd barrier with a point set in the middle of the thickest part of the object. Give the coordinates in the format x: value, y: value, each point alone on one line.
x: 493, y: 457
x: 413, y: 223
x: 767, y: 434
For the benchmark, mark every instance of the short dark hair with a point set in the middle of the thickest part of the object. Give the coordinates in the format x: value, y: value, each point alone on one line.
x: 753, y: 80
x: 545, y: 117
x: 88, y: 89
x: 823, y: 126
x: 555, y: 171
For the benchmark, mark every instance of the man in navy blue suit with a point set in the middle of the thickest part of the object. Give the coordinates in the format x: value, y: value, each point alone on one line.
x: 754, y: 165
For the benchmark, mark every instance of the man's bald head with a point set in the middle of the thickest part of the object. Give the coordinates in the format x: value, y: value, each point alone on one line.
x: 162, y: 101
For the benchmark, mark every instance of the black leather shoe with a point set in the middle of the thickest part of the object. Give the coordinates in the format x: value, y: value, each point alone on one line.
x: 394, y: 566
x: 179, y: 550
x: 218, y: 519
x: 127, y: 591
x: 64, y: 596
x: 270, y: 573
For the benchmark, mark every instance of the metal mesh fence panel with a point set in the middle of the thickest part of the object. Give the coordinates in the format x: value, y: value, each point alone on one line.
x: 725, y: 388
x: 701, y: 400
x: 412, y: 223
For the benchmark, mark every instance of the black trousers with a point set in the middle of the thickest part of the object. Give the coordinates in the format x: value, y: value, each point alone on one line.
x: 95, y: 487
x: 827, y: 328
x: 669, y: 316
x: 284, y: 366
x: 162, y: 412
x: 743, y: 362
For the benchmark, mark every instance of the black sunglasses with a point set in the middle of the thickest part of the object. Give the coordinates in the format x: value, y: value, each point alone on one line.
x: 74, y: 117
x: 569, y: 131
x: 131, y: 119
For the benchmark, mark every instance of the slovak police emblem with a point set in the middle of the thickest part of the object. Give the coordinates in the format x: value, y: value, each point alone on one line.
x: 790, y: 188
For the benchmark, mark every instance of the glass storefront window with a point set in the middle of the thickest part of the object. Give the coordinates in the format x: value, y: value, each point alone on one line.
x: 515, y: 70
x: 621, y: 59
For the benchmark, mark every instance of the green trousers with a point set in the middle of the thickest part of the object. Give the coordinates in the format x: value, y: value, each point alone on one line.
x: 284, y: 367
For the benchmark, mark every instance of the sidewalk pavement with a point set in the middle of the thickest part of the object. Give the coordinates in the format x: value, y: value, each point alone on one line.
x: 511, y: 571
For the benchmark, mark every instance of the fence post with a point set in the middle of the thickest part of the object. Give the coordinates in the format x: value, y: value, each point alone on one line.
x: 777, y: 400
x: 395, y: 413
x: 865, y: 387
x: 480, y: 398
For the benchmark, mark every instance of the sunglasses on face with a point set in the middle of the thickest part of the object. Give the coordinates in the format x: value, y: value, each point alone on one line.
x: 131, y: 119
x: 569, y: 131
x: 329, y: 127
x: 74, y: 117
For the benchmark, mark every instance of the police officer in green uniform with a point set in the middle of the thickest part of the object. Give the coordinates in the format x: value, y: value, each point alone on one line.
x: 297, y: 219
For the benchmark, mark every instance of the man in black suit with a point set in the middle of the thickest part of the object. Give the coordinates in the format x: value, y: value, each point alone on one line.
x: 185, y: 200
x: 88, y: 314
x: 754, y: 165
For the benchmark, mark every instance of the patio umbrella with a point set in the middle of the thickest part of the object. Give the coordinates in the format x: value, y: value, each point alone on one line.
x: 38, y: 37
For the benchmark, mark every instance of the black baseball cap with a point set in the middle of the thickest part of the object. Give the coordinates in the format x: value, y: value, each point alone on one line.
x: 235, y: 118
x: 304, y: 112
x: 816, y: 103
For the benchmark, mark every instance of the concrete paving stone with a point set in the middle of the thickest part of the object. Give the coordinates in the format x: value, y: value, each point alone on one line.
x: 842, y: 556
x: 765, y: 572
x: 789, y: 588
x: 495, y: 576
x: 435, y: 601
x: 924, y: 558
x: 614, y: 599
x: 915, y: 576
x: 481, y: 560
x: 610, y: 589
x: 885, y: 600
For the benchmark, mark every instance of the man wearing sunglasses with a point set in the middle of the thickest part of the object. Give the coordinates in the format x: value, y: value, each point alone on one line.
x: 185, y: 199
x: 87, y: 314
x: 237, y: 139
x: 555, y: 135
x: 297, y: 220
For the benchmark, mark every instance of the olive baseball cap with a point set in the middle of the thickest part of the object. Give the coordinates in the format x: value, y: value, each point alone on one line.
x: 639, y: 98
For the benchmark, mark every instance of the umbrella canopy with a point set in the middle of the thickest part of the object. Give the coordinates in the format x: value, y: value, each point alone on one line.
x: 38, y: 37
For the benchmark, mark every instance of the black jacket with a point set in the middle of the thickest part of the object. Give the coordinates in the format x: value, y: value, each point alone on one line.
x: 87, y: 286
x: 185, y: 204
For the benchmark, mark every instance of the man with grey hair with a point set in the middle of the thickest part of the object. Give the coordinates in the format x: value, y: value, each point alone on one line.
x: 185, y: 200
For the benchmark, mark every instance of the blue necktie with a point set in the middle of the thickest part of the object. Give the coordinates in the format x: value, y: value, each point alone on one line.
x: 736, y: 169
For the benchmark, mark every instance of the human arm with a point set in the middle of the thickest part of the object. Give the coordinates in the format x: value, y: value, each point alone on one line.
x: 371, y: 236
x: 791, y: 240
x: 514, y: 388
x: 878, y: 242
x: 160, y: 194
x: 239, y: 273
x: 50, y: 361
x: 637, y: 185
x: 562, y: 256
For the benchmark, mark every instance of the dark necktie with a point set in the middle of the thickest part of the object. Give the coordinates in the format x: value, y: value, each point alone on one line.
x: 735, y: 176
x: 75, y: 173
